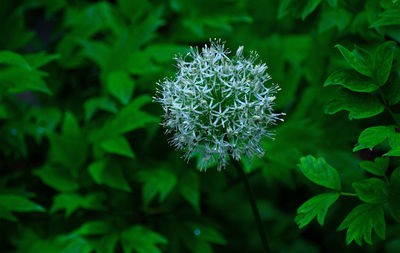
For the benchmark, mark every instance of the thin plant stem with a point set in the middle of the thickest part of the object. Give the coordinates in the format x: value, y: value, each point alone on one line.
x: 253, y: 204
x: 348, y: 194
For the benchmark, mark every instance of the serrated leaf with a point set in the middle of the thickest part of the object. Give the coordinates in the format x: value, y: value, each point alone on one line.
x: 160, y: 181
x: 118, y: 145
x: 57, y: 178
x: 378, y: 167
x: 360, y: 222
x: 189, y: 189
x: 352, y: 81
x: 320, y: 172
x: 120, y: 85
x: 359, y: 105
x: 383, y: 62
x: 371, y: 190
x: 17, y: 80
x: 103, y: 173
x: 373, y: 136
x: 316, y: 206
x: 142, y: 240
x: 357, y: 61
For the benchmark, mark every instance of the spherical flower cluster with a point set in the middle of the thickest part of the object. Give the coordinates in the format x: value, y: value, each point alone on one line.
x: 217, y: 106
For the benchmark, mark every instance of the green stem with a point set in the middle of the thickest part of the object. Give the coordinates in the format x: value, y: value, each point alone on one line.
x: 253, y: 204
x: 385, y: 102
x: 348, y: 194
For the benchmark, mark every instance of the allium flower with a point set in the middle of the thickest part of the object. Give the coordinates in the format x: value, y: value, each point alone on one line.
x: 218, y: 106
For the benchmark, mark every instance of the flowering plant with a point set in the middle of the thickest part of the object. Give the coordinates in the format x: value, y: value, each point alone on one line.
x: 218, y: 106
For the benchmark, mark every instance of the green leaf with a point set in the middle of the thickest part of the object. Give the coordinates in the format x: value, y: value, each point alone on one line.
x: 378, y: 167
x: 387, y: 18
x: 371, y: 190
x: 360, y: 222
x: 352, y: 81
x: 94, y: 228
x: 103, y: 173
x: 142, y: 240
x: 361, y: 63
x: 383, y: 61
x: 40, y: 59
x: 57, y: 178
x: 17, y: 80
x: 189, y: 189
x: 15, y: 203
x: 77, y: 244
x: 373, y: 136
x: 94, y: 104
x: 120, y: 85
x: 118, y: 145
x: 392, y: 89
x: 359, y: 105
x: 69, y: 149
x: 107, y: 244
x: 160, y: 181
x: 316, y: 206
x: 13, y: 59
x: 310, y: 7
x: 73, y: 201
x: 320, y: 172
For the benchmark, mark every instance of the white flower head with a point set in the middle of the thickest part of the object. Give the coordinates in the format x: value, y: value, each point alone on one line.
x: 217, y: 106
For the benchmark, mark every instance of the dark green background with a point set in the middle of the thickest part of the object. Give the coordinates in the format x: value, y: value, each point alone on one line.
x: 86, y: 167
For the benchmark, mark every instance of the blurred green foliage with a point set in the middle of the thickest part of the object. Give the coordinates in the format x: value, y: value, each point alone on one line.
x: 85, y: 166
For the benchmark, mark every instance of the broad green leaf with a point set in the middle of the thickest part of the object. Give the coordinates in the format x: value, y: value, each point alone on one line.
x: 360, y: 222
x: 373, y: 136
x: 12, y: 202
x: 357, y: 61
x: 70, y: 148
x: 189, y: 189
x: 120, y: 85
x: 359, y: 105
x: 94, y: 228
x: 128, y: 119
x: 371, y: 190
x: 383, y: 62
x: 387, y: 18
x: 164, y: 53
x: 316, y: 206
x: 352, y: 81
x: 310, y: 7
x: 118, y: 145
x: 57, y: 178
x: 38, y: 60
x: 14, y: 59
x: 72, y: 201
x: 320, y: 172
x: 378, y: 167
x: 112, y: 176
x: 17, y: 80
x: 99, y: 103
x: 160, y: 181
x: 142, y: 240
